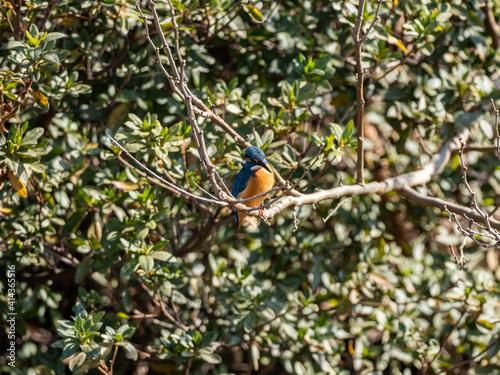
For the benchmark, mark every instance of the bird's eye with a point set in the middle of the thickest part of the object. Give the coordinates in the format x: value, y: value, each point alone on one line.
x: 255, y: 161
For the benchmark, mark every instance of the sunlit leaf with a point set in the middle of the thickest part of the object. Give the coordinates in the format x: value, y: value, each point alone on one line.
x: 40, y: 99
x: 125, y: 185
x: 254, y: 13
x: 17, y: 184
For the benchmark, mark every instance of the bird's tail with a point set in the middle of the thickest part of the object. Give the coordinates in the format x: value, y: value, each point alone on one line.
x: 239, y: 218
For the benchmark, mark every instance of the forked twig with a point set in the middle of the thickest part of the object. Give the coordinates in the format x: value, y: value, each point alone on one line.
x: 484, y: 231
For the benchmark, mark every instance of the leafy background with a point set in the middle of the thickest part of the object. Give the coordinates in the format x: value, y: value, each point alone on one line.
x: 373, y: 289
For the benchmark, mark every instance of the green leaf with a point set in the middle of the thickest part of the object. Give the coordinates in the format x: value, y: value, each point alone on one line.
x: 129, y: 348
x: 159, y: 245
x: 347, y: 133
x: 53, y: 36
x: 31, y: 137
x: 208, y: 338
x: 146, y: 262
x: 82, y: 269
x: 129, y: 268
x: 73, y: 222
x: 427, y: 49
x: 210, y: 357
x: 493, y: 350
x: 336, y: 130
x: 31, y: 39
x: 15, y: 44
x: 267, y: 137
x: 77, y: 361
x: 163, y: 256
x: 52, y: 57
x: 71, y: 346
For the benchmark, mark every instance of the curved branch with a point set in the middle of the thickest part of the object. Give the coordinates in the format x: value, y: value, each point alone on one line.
x: 415, y: 178
x: 427, y: 201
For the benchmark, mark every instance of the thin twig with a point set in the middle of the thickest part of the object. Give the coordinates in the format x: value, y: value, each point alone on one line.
x: 360, y: 100
x: 445, y: 340
x: 450, y: 369
x: 166, y: 313
x: 496, y: 128
x: 375, y: 20
x: 175, y: 187
x: 335, y: 209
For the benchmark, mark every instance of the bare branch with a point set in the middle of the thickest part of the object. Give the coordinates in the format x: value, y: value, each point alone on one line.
x: 375, y: 20
x: 360, y: 100
x: 419, y: 177
x: 169, y: 184
x: 164, y: 43
x: 295, y: 211
x: 496, y: 128
x: 475, y: 206
x: 461, y: 261
x: 427, y: 201
x: 489, y: 230
x: 491, y: 25
x: 193, y: 104
x: 476, y: 148
x: 170, y: 79
x: 177, y: 322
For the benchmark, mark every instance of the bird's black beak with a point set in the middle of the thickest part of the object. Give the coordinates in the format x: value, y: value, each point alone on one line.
x: 263, y: 163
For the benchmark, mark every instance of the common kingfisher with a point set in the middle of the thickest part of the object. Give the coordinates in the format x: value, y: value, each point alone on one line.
x: 253, y: 179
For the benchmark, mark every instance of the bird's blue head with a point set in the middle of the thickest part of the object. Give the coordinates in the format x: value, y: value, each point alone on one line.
x: 256, y: 156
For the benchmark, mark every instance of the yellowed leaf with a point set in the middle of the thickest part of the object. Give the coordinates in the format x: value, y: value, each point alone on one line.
x: 379, y: 279
x: 91, y: 146
x: 275, y: 103
x: 350, y: 347
x: 125, y: 186
x: 68, y: 21
x: 118, y: 115
x: 401, y: 45
x: 485, y: 324
x: 40, y: 99
x: 6, y: 211
x: 52, y: 238
x: 397, y: 42
x: 254, y: 13
x: 17, y: 184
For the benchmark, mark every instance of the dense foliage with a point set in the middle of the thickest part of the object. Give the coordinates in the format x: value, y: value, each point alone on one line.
x: 116, y: 274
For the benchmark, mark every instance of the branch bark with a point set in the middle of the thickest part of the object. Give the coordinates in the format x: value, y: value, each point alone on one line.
x: 360, y: 76
x: 427, y: 201
x: 419, y: 177
x: 491, y: 25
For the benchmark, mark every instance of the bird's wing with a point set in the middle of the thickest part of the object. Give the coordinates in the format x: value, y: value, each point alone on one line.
x: 240, y: 182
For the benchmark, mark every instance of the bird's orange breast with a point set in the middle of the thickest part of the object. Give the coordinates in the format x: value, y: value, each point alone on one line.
x: 260, y: 183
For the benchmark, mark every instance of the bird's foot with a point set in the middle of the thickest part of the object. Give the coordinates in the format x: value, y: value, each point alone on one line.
x: 261, y: 213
